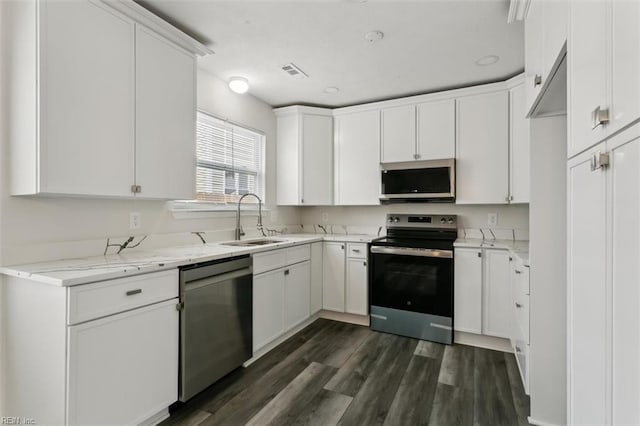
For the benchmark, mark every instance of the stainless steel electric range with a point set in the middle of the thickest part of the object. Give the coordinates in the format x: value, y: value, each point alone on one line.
x: 411, y: 281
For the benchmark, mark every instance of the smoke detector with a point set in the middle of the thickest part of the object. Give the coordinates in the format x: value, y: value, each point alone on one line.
x: 294, y: 71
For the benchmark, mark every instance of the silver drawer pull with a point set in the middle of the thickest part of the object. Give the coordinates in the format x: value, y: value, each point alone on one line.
x: 518, y: 272
x: 518, y: 305
x: 355, y: 250
x: 132, y: 292
x: 286, y: 272
x: 518, y: 349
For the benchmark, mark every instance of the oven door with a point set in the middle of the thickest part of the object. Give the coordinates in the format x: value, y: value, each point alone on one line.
x: 412, y: 279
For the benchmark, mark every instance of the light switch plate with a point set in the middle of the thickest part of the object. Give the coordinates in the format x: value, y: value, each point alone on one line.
x: 492, y: 219
x: 135, y: 219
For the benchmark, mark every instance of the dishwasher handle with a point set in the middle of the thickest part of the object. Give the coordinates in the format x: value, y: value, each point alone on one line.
x: 215, y: 279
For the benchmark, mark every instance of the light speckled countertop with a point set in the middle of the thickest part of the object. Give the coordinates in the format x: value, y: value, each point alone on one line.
x: 519, y: 248
x: 68, y: 272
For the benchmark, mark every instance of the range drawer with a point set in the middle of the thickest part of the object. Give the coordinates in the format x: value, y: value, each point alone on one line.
x: 357, y: 250
x: 95, y: 300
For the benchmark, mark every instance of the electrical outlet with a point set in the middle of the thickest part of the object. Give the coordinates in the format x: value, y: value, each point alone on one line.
x: 135, y: 219
x: 325, y: 217
x: 492, y: 219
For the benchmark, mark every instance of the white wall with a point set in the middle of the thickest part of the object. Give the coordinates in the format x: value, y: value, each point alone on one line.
x: 548, y: 270
x: 472, y: 217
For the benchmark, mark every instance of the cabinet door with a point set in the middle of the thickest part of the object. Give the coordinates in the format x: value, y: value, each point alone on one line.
x: 482, y: 165
x: 555, y: 19
x: 436, y: 138
x: 625, y: 206
x: 588, y: 54
x: 625, y: 61
x: 165, y: 118
x: 317, y: 160
x: 467, y: 313
x: 316, y: 277
x: 357, y: 146
x: 333, y: 277
x: 519, y: 146
x: 297, y: 288
x: 357, y: 290
x: 497, y: 307
x: 288, y: 165
x: 533, y: 51
x: 398, y: 134
x: 587, y: 293
x: 87, y: 103
x: 268, y: 307
x: 123, y: 369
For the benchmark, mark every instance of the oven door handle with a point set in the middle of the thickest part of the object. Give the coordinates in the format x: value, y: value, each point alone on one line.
x: 411, y: 251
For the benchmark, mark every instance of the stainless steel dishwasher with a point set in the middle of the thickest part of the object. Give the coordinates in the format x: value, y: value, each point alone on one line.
x: 216, y: 321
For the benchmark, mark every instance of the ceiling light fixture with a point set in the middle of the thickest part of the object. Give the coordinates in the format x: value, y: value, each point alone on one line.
x: 239, y: 84
x: 373, y: 36
x: 487, y: 60
x: 331, y: 90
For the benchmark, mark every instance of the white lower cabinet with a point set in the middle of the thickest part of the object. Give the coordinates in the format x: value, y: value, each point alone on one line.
x: 345, y: 278
x: 281, y: 292
x: 316, y: 277
x: 102, y: 353
x: 122, y: 369
x: 520, y: 317
x: 356, y: 288
x: 333, y: 276
x: 482, y: 299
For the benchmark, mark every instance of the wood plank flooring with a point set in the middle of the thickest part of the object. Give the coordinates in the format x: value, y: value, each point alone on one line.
x: 333, y: 373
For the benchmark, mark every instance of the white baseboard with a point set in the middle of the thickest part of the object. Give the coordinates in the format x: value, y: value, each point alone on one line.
x: 481, y: 341
x: 343, y: 317
x: 540, y: 422
x: 156, y: 418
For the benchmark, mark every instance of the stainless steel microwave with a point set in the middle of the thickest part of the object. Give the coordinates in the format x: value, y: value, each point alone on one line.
x: 418, y: 181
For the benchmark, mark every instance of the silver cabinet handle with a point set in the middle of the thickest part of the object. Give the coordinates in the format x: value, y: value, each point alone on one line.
x: 599, y: 160
x: 364, y: 263
x: 537, y: 80
x: 600, y: 116
x: 416, y: 156
x: 518, y: 305
x: 286, y: 272
x: 518, y: 349
x: 342, y: 247
x: 518, y: 272
x: 355, y: 250
x: 132, y: 292
x: 479, y: 254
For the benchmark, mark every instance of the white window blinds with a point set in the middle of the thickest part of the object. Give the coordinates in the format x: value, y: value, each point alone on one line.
x: 230, y: 161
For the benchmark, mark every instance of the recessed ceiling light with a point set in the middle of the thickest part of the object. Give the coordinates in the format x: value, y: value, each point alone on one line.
x: 373, y: 36
x: 239, y: 84
x: 487, y: 60
x: 331, y: 90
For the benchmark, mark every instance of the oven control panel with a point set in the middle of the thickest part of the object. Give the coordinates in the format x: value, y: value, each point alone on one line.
x: 395, y: 220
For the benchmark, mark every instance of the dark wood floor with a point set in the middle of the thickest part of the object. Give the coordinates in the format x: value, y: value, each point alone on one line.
x: 336, y: 373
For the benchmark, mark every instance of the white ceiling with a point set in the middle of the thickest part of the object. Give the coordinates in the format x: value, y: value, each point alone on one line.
x: 428, y: 45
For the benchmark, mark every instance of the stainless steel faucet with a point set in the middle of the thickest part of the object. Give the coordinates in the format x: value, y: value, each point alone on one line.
x: 239, y: 231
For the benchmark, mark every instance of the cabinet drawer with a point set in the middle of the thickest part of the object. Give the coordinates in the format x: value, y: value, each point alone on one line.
x: 90, y: 301
x: 268, y: 261
x: 357, y: 250
x: 298, y: 254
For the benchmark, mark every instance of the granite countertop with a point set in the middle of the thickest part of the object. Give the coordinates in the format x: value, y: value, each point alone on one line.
x: 519, y: 248
x: 69, y: 272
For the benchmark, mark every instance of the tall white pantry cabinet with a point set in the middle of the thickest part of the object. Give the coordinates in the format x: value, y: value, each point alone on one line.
x: 603, y: 213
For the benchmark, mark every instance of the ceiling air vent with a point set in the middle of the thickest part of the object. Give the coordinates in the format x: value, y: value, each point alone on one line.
x: 294, y: 71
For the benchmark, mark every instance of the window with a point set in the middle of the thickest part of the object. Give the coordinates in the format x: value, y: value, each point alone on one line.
x: 230, y: 161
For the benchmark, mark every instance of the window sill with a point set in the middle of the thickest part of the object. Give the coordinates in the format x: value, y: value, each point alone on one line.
x: 202, y: 210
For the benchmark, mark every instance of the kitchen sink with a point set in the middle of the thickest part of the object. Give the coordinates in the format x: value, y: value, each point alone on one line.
x: 251, y: 243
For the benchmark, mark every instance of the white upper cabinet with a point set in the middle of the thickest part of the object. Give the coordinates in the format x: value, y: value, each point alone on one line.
x: 165, y: 118
x: 87, y: 89
x: 588, y: 53
x: 518, y: 146
x: 545, y: 34
x: 357, y: 158
x: 482, y: 161
x: 82, y: 142
x: 436, y: 135
x: 625, y: 63
x: 304, y: 154
x: 398, y: 140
